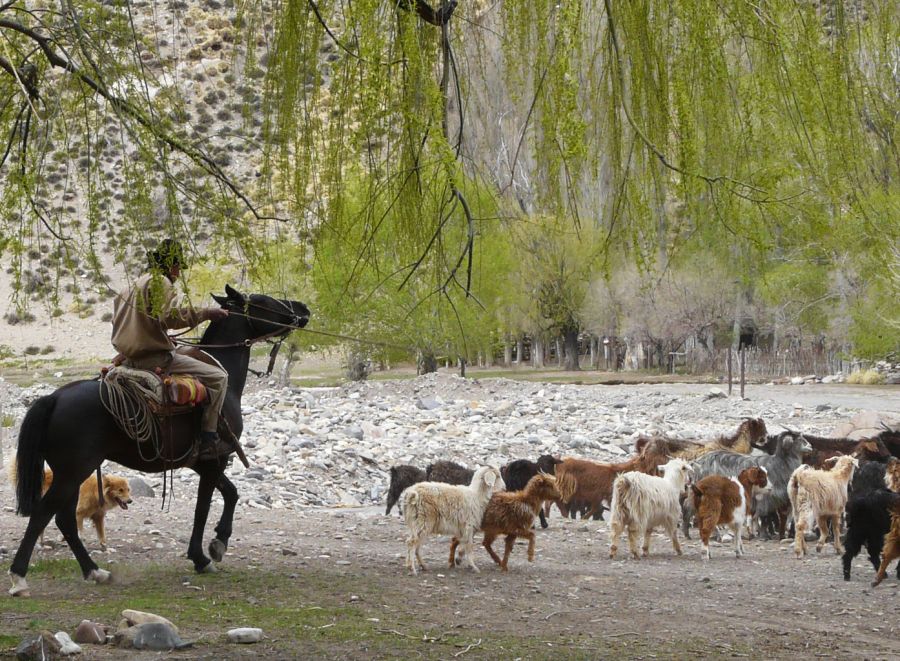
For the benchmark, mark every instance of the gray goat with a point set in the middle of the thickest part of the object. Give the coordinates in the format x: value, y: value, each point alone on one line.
x: 789, y: 450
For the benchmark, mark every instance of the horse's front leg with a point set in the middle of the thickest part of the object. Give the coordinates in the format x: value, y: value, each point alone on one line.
x: 219, y: 545
x: 209, y: 477
x: 65, y: 521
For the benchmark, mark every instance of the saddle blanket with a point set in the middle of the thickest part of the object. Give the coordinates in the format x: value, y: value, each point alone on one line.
x: 168, y: 389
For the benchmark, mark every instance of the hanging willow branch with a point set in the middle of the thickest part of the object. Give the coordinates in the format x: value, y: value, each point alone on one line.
x: 709, y: 179
x: 47, y: 47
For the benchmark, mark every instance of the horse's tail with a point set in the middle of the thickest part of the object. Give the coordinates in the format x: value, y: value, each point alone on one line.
x: 29, y: 458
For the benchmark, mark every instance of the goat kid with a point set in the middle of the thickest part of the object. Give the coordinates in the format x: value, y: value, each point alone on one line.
x: 726, y: 501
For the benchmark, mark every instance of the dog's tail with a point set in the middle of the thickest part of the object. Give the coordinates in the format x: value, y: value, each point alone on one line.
x: 29, y: 458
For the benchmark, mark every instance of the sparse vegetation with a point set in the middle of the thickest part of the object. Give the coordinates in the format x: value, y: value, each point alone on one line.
x: 867, y: 377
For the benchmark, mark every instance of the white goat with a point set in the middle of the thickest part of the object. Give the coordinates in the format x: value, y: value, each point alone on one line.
x: 435, y: 508
x: 641, y: 502
x: 821, y: 496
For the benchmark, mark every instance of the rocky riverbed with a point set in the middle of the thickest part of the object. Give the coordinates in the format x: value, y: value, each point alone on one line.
x: 333, y: 446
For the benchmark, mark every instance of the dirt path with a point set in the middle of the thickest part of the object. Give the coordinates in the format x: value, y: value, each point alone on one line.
x: 572, y: 602
x: 330, y: 582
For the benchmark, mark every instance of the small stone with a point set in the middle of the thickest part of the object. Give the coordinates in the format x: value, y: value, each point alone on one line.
x: 354, y: 598
x: 245, y: 635
x: 42, y: 648
x: 429, y: 403
x: 288, y: 552
x: 140, y: 488
x: 150, y: 636
x: 67, y: 646
x: 715, y: 393
x: 140, y: 617
x: 90, y: 633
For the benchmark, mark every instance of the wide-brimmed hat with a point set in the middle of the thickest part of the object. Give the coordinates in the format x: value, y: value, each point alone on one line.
x: 168, y: 254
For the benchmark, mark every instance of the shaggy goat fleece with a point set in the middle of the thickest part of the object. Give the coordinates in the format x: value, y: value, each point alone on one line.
x: 402, y: 477
x: 891, y: 549
x: 434, y: 508
x: 642, y: 502
x: 821, y: 496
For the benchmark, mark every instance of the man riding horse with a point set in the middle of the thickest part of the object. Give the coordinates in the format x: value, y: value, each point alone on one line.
x: 146, y: 311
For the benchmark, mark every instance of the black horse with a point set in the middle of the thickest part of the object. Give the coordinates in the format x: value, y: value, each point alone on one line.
x: 73, y: 432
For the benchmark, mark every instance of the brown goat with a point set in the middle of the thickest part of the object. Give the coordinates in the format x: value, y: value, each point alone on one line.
x: 512, y: 513
x: 749, y: 433
x: 891, y: 549
x: 726, y: 501
x: 591, y: 482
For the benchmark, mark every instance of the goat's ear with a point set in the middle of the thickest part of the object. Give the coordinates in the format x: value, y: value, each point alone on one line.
x: 221, y: 300
x: 393, y: 470
x: 490, y: 477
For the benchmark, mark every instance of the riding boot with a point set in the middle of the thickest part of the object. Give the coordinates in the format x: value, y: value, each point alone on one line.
x: 209, y: 445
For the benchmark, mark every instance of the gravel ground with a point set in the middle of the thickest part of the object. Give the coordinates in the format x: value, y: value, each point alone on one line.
x: 316, y: 508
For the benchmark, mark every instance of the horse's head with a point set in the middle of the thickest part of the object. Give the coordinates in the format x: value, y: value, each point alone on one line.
x: 267, y: 315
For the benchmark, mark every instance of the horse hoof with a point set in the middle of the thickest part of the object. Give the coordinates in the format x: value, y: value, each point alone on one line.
x: 209, y: 568
x: 19, y: 586
x: 99, y: 576
x: 217, y: 550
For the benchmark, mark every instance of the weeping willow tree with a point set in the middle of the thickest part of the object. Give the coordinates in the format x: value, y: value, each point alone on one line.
x: 764, y: 134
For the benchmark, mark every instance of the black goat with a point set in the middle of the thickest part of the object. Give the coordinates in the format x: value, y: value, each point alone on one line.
x: 516, y: 474
x: 867, y: 478
x: 868, y: 521
x: 449, y: 472
x: 402, y: 476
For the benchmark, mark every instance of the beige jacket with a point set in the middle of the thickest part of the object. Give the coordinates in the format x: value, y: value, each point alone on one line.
x: 143, y: 313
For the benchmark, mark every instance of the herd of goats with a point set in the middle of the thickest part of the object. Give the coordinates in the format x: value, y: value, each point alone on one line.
x: 750, y: 480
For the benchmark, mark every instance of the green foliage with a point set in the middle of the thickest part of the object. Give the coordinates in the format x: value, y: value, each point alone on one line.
x: 373, y: 286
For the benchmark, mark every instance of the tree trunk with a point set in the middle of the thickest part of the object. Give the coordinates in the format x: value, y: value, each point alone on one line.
x: 462, y: 367
x: 570, y: 336
x: 520, y: 349
x: 427, y: 363
x: 507, y: 351
x: 537, y: 352
x: 290, y: 357
x: 593, y: 359
x: 559, y: 353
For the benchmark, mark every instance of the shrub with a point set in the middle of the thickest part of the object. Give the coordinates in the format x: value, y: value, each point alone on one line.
x: 7, y: 420
x: 32, y: 351
x: 866, y: 377
x: 48, y: 349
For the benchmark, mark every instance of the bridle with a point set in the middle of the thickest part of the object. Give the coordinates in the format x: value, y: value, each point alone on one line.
x: 275, y: 337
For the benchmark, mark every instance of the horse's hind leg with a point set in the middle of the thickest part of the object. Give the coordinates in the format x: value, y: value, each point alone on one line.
x: 209, y: 478
x: 36, y: 524
x: 218, y: 546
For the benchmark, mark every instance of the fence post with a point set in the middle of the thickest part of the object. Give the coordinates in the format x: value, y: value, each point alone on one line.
x: 729, y: 370
x: 742, y: 372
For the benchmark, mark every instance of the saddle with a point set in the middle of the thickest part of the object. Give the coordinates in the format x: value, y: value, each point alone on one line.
x: 165, y: 394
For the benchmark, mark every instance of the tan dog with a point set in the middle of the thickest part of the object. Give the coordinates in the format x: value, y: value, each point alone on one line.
x: 116, y: 493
